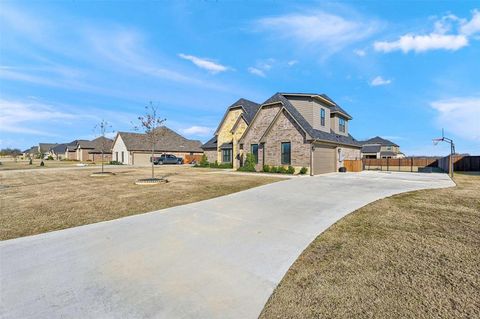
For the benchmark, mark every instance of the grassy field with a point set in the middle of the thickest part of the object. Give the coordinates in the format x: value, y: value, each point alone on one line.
x: 413, y: 255
x: 38, y: 201
x: 11, y: 164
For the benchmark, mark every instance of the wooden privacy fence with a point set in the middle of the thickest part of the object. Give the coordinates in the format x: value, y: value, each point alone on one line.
x: 407, y: 164
x: 353, y: 165
x: 190, y: 158
x: 460, y: 163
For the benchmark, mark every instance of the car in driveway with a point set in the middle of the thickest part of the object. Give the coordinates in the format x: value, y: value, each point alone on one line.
x: 167, y: 159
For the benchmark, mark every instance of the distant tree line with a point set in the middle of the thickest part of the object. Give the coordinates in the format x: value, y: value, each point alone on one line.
x: 10, y: 152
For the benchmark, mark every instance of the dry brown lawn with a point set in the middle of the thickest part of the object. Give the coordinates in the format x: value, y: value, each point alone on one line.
x: 11, y: 164
x: 413, y: 255
x: 39, y: 201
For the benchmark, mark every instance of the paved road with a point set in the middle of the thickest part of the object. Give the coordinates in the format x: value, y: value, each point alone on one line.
x: 219, y: 258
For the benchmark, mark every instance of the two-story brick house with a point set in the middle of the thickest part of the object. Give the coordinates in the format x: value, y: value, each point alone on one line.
x: 223, y: 147
x: 301, y: 130
x: 378, y: 147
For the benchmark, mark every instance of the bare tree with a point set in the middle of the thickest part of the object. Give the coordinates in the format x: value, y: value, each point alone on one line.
x: 150, y: 124
x: 102, y: 129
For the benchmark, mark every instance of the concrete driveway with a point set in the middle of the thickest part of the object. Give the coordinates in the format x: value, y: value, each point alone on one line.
x: 219, y: 258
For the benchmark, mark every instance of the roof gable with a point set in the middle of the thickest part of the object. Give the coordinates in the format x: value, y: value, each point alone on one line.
x: 379, y: 140
x: 249, y: 110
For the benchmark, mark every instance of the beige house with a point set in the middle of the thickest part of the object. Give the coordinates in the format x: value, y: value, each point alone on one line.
x: 378, y: 147
x: 223, y: 147
x: 300, y: 130
x: 135, y: 149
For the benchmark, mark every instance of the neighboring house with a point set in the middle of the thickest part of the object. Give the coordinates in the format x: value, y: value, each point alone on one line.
x: 58, y: 151
x: 135, y: 149
x: 92, y: 150
x: 378, y: 147
x: 31, y: 152
x: 44, y: 148
x: 223, y: 147
x: 301, y: 130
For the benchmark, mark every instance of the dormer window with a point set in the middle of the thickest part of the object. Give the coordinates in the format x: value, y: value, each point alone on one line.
x: 322, y: 117
x: 341, y: 125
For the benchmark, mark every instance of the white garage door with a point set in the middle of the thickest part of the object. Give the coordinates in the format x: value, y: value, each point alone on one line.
x: 323, y: 159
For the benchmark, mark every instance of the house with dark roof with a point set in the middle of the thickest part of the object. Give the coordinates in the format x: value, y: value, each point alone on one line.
x: 223, y: 146
x: 300, y: 130
x: 135, y: 148
x: 378, y: 147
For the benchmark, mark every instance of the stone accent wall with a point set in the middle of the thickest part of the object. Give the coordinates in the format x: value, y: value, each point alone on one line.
x: 211, y: 155
x: 225, y: 134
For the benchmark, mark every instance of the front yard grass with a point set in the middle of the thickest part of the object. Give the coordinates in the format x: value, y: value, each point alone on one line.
x: 413, y: 255
x: 10, y: 164
x: 39, y: 201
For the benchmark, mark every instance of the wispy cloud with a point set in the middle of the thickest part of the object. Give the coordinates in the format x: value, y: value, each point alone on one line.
x: 205, y: 64
x: 377, y: 81
x: 17, y: 116
x: 450, y: 33
x: 360, y: 52
x: 460, y: 115
x: 256, y: 72
x: 197, y: 131
x: 323, y: 30
x: 292, y: 62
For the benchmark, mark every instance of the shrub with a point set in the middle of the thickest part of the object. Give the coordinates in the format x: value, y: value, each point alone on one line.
x: 50, y: 158
x: 290, y: 170
x: 249, y: 165
x: 115, y: 163
x: 266, y: 168
x: 221, y: 165
x: 281, y: 170
x: 303, y: 171
x: 273, y: 169
x: 203, y: 161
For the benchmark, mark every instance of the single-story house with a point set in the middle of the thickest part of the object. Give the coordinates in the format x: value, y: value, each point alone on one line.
x: 58, y: 151
x: 44, y: 148
x: 135, y: 149
x: 378, y: 147
x: 31, y: 152
x: 92, y: 150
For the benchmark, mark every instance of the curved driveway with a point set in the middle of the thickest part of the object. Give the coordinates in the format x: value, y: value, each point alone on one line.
x: 219, y: 258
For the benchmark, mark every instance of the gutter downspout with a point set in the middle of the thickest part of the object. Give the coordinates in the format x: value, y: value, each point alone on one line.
x: 311, y: 156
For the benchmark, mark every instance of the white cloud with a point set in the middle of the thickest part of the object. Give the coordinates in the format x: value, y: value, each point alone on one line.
x: 360, y: 52
x: 292, y: 62
x: 461, y: 116
x: 377, y: 81
x: 422, y: 43
x: 16, y: 116
x: 256, y: 71
x: 198, y: 130
x: 473, y: 26
x: 450, y: 33
x: 205, y: 64
x: 326, y: 31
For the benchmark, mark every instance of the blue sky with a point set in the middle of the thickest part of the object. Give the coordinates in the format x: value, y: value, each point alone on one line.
x: 402, y: 70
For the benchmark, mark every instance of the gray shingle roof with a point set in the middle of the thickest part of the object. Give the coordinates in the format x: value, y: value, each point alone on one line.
x: 168, y: 141
x: 101, y: 143
x: 378, y: 140
x: 371, y: 148
x: 58, y: 149
x: 45, y: 147
x: 315, y: 134
x: 210, y: 144
x: 226, y: 146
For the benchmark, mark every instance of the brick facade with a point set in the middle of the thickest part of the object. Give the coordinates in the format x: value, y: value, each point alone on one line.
x: 283, y: 130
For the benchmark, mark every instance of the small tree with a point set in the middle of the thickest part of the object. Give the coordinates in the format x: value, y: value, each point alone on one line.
x: 150, y: 124
x: 101, y: 129
x: 250, y: 163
